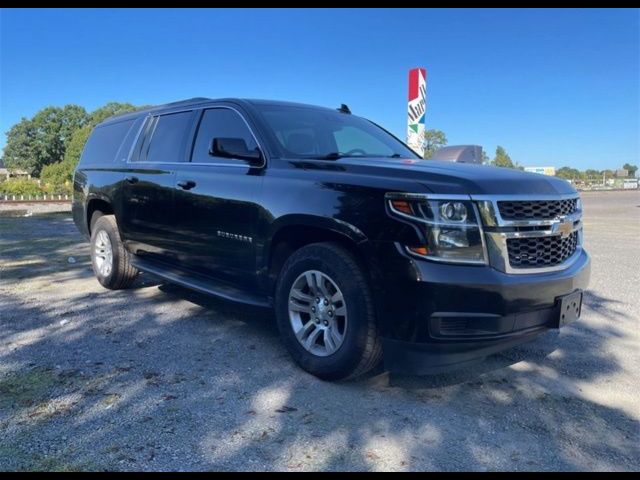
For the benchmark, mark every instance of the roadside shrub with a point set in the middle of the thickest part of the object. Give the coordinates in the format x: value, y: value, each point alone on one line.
x: 57, y: 177
x: 20, y: 186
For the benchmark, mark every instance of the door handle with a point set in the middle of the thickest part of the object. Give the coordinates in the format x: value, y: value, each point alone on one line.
x: 186, y: 184
x: 131, y: 179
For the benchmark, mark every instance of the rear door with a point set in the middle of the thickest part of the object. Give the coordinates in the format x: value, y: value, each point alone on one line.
x: 217, y: 203
x: 149, y: 186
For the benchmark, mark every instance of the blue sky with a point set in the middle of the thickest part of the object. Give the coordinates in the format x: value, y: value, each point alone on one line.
x: 554, y: 87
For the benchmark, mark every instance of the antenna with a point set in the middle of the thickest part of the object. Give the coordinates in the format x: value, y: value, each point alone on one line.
x: 344, y: 109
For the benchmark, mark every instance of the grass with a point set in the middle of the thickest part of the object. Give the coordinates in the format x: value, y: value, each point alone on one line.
x: 24, y: 389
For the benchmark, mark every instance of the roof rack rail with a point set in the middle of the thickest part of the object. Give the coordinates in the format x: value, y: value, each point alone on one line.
x: 185, y: 102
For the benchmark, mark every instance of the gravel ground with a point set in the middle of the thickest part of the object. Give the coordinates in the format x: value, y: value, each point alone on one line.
x: 158, y: 378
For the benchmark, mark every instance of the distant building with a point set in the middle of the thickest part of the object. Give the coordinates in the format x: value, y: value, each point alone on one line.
x: 5, y: 173
x: 551, y: 171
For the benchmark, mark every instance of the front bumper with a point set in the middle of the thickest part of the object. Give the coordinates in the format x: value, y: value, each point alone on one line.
x: 411, y: 358
x: 444, y: 316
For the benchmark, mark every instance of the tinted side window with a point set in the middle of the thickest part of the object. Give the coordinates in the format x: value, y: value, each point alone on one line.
x: 127, y: 144
x: 105, y: 141
x: 220, y: 123
x: 168, y: 138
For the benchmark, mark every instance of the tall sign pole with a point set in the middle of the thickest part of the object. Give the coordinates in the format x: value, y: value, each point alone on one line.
x: 416, y: 109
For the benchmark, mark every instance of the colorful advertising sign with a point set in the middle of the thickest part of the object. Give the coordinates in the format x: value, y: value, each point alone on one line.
x: 416, y: 109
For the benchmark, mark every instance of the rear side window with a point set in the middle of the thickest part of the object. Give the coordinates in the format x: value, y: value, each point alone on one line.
x: 105, y: 142
x: 125, y: 149
x: 220, y: 123
x: 168, y: 138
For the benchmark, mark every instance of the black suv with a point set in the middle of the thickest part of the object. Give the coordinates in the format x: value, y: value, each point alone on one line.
x: 363, y: 249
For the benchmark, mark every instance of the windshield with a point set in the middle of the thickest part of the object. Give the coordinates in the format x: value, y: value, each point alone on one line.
x: 308, y: 132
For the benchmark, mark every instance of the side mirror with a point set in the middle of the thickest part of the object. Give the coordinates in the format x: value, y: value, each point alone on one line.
x: 234, y: 148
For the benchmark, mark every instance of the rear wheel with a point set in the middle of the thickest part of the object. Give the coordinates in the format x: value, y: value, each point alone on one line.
x: 110, y: 260
x: 325, y: 312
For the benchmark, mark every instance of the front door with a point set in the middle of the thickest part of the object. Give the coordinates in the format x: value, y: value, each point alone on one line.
x: 217, y: 203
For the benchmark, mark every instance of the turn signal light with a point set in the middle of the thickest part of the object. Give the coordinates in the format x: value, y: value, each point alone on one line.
x: 402, y: 206
x: 420, y: 250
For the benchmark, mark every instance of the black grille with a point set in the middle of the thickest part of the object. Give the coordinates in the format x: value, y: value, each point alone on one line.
x: 537, y: 210
x: 541, y: 251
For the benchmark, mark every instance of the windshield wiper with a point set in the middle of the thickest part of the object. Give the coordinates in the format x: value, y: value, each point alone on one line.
x: 333, y: 156
x: 338, y: 155
x: 330, y: 156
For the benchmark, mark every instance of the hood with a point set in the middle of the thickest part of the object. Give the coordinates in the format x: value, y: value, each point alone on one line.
x: 464, y: 178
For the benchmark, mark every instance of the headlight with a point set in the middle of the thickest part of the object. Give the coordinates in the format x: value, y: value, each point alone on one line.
x: 454, y: 211
x: 451, y: 227
x: 579, y: 205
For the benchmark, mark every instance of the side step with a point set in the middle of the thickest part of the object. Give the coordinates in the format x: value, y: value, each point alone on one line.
x: 200, y: 283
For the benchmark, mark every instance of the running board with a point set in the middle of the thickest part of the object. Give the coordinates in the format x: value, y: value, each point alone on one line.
x: 199, y: 283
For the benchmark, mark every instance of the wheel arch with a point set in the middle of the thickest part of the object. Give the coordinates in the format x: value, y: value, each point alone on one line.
x: 296, y: 231
x: 97, y: 203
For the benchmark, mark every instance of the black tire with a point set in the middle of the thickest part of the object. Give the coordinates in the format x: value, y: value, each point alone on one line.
x: 361, y: 349
x: 121, y: 274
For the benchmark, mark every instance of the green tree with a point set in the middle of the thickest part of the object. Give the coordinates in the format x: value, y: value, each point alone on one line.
x: 485, y: 158
x: 591, y: 174
x: 42, y: 140
x: 632, y: 169
x: 54, y: 127
x: 433, y: 140
x: 502, y: 159
x: 110, y: 109
x: 569, y: 173
x: 19, y: 151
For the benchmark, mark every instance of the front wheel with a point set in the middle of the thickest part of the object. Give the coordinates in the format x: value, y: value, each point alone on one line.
x: 110, y: 260
x: 325, y: 312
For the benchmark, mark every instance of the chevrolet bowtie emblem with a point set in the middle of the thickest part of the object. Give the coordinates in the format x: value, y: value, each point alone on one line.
x: 564, y: 227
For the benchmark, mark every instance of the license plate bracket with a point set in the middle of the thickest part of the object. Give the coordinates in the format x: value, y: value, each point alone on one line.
x: 569, y: 308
